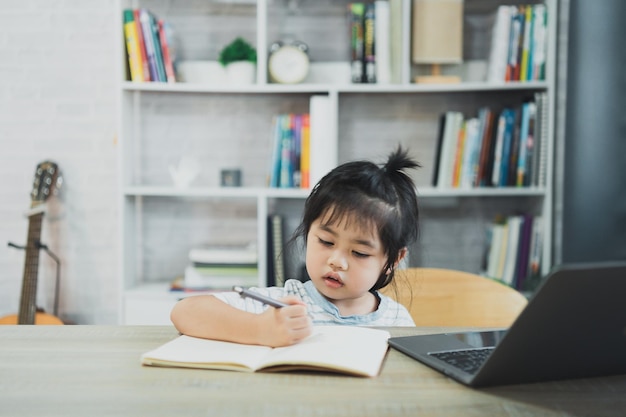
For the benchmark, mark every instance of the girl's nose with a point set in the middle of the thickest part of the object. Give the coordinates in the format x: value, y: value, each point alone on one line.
x: 337, y: 261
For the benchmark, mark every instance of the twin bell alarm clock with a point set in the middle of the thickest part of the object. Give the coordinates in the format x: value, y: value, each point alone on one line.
x: 288, y: 62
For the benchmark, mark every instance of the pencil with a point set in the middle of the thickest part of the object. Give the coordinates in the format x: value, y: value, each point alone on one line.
x: 259, y: 297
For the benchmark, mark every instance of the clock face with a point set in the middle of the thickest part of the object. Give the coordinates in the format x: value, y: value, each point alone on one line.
x: 288, y: 65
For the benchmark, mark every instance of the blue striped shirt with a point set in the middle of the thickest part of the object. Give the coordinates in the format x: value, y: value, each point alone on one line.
x: 322, y: 311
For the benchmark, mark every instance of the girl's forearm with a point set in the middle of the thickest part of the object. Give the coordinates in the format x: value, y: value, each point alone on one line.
x: 210, y: 318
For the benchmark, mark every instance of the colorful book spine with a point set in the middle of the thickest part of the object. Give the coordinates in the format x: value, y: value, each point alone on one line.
x: 305, y: 156
x: 154, y: 29
x: 274, y: 179
x: 286, y: 160
x: 458, y: 158
x: 142, y: 46
x: 369, y: 47
x: 151, y: 57
x: 296, y: 155
x: 356, y: 13
x: 167, y: 58
x: 539, y: 41
x: 515, y: 33
x: 132, y: 46
x: 507, y: 143
x: 526, y: 43
x: 290, y: 160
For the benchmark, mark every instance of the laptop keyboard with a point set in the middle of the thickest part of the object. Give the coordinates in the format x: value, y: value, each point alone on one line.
x: 468, y: 360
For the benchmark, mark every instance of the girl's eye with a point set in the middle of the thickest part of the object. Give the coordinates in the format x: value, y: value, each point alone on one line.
x: 360, y: 254
x: 324, y: 242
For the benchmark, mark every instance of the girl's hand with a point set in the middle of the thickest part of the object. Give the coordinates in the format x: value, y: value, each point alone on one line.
x: 284, y: 326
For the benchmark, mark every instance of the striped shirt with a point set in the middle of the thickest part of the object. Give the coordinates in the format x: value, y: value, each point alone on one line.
x: 322, y: 311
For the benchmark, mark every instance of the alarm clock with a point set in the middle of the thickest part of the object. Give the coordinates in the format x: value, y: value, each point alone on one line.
x: 288, y: 62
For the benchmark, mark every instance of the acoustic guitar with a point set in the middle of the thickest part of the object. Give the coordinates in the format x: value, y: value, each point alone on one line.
x: 46, y: 182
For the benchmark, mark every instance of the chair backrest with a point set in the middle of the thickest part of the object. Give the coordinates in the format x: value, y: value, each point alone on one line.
x: 445, y: 297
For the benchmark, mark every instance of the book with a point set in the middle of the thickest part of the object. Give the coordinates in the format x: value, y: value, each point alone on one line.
x: 512, y: 249
x: 356, y: 12
x: 536, y: 246
x: 507, y: 144
x: 514, y: 150
x: 525, y: 58
x: 396, y: 42
x: 148, y: 38
x: 495, y: 249
x: 225, y: 254
x: 305, y: 152
x: 142, y: 46
x: 219, y: 278
x: 453, y: 121
x: 163, y: 29
x: 524, y: 251
x: 350, y: 350
x: 514, y: 36
x: 485, y: 163
x: 275, y: 255
x: 499, y: 44
x: 437, y: 162
x: 543, y: 134
x: 526, y: 143
x: 132, y: 46
x: 471, y: 151
x: 382, y: 42
x: 539, y: 42
x: 158, y: 51
x: 459, y: 152
x: 286, y: 161
x: 322, y: 138
x: 369, y: 43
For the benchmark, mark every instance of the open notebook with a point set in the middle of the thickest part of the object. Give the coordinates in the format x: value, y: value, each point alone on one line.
x: 349, y: 350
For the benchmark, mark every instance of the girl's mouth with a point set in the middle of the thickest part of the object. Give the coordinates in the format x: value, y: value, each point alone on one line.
x: 332, y: 281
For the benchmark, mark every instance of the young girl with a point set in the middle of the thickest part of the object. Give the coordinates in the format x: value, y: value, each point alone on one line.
x: 357, y: 224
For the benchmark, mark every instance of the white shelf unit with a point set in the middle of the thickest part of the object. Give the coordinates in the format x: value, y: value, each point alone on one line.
x: 230, y: 126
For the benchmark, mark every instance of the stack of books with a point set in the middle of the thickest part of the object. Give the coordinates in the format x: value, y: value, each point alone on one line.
x: 219, y: 267
x: 508, y: 149
x: 514, y: 250
x: 375, y: 41
x: 148, y: 47
x: 518, y: 50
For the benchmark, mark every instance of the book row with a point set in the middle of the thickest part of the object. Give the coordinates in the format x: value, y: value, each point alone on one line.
x: 505, y: 149
x: 291, y: 151
x: 519, y: 42
x: 374, y: 34
x: 304, y: 147
x: 148, y: 40
x: 514, y: 249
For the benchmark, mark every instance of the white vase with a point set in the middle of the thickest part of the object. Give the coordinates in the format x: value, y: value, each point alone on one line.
x: 240, y: 72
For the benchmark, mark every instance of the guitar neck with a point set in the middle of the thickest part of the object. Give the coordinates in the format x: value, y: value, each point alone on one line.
x: 28, y: 300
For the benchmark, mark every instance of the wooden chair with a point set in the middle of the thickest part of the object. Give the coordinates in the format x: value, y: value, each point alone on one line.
x: 445, y: 297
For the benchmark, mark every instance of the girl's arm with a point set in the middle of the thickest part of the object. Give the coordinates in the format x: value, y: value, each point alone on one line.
x: 208, y: 317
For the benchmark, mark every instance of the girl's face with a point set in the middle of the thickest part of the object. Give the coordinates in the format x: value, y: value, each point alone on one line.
x: 344, y: 260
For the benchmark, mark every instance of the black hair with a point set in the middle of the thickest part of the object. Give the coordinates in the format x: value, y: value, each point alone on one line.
x: 381, y: 196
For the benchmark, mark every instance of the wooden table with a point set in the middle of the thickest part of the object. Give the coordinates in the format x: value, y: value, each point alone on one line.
x: 94, y: 370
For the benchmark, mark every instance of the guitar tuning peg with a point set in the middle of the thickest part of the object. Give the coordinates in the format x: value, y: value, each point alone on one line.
x: 59, y: 183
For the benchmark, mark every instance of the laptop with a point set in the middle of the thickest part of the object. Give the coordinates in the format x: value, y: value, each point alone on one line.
x: 573, y: 327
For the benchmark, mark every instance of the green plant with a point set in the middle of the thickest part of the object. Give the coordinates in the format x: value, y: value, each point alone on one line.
x: 237, y: 50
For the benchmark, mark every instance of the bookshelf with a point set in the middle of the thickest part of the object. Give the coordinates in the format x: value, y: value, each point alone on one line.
x: 229, y: 126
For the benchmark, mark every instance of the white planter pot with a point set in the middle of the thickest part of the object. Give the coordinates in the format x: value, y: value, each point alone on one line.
x: 241, y: 72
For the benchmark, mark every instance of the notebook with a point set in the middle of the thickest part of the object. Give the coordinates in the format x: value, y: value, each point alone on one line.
x: 573, y: 327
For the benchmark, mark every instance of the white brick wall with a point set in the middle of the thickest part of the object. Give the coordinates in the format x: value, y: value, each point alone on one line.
x: 58, y: 101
